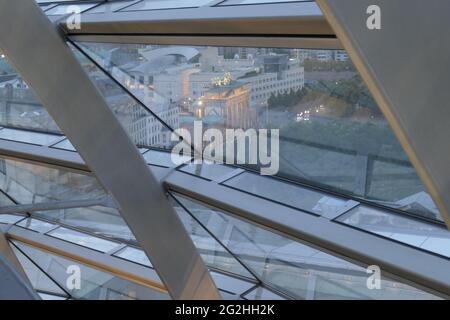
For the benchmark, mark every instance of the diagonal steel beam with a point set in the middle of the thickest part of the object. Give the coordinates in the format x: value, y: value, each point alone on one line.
x: 405, y: 65
x: 41, y: 56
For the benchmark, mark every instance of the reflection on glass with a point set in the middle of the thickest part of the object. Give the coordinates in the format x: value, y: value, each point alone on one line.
x: 29, y: 183
x: 135, y: 255
x: 10, y: 218
x: 36, y: 225
x: 39, y: 280
x: 261, y: 293
x: 208, y: 171
x: 231, y: 284
x: 212, y: 252
x: 42, y: 139
x: 5, y: 201
x: 111, y: 6
x: 332, y: 133
x: 97, y: 220
x: 95, y: 284
x: 18, y: 107
x: 83, y: 239
x: 65, y: 144
x: 287, y: 193
x: 292, y: 267
x: 50, y: 297
x: 68, y: 9
x: 166, y: 4
x: 144, y: 129
x: 404, y: 229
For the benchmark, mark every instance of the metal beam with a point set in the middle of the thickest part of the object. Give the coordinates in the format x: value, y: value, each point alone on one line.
x: 401, y: 260
x: 40, y: 55
x: 404, y: 65
x: 302, y: 18
x: 101, y: 261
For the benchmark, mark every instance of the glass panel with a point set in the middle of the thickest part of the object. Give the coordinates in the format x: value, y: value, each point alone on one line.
x: 164, y: 159
x: 231, y: 284
x: 213, y: 253
x: 39, y: 280
x: 10, y: 218
x: 208, y: 171
x: 28, y: 136
x: 66, y: 8
x: 332, y: 133
x: 95, y: 284
x: 135, y: 255
x: 290, y: 194
x: 18, y: 107
x: 97, y: 220
x: 426, y: 236
x: 36, y: 225
x: 83, y: 239
x: 261, y: 293
x: 65, y: 144
x: 144, y: 129
x: 166, y: 4
x: 111, y: 6
x: 292, y: 267
x: 5, y: 201
x: 29, y: 183
x: 45, y: 296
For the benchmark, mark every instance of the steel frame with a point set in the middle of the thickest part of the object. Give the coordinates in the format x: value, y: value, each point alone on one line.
x: 142, y: 202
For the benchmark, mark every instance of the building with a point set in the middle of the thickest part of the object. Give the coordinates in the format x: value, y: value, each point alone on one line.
x: 228, y: 103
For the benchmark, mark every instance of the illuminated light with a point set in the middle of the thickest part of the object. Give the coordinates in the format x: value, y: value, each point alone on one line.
x: 2, y: 56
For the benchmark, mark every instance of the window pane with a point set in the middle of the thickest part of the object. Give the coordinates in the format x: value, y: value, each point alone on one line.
x: 64, y: 9
x: 28, y: 136
x: 263, y: 294
x: 83, y: 239
x: 39, y: 280
x: 166, y: 4
x: 36, y: 225
x: 332, y: 133
x: 10, y: 218
x: 95, y: 284
x: 290, y: 194
x: 135, y: 255
x: 97, y: 220
x: 208, y: 171
x: 18, y: 107
x: 231, y: 284
x: 403, y: 229
x: 213, y: 253
x: 65, y: 144
x: 29, y: 183
x: 292, y: 267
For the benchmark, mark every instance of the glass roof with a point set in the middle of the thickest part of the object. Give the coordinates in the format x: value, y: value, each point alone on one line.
x: 339, y: 161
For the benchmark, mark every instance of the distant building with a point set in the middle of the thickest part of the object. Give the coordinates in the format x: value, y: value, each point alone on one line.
x: 226, y: 105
